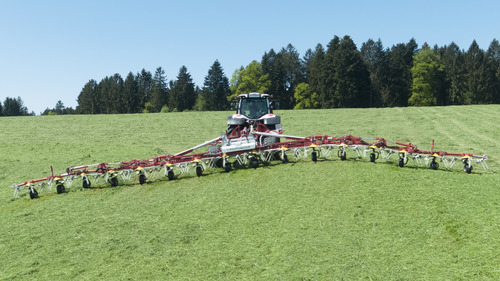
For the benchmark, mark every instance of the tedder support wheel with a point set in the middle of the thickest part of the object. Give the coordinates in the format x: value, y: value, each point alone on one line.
x: 170, y: 175
x: 343, y: 155
x: 434, y: 165
x: 113, y: 181
x: 60, y: 189
x: 467, y: 168
x: 142, y: 179
x: 33, y: 193
x: 401, y: 162
x: 227, y: 167
x: 284, y: 159
x: 314, y: 156
x: 198, y: 171
x: 86, y: 184
x: 254, y: 163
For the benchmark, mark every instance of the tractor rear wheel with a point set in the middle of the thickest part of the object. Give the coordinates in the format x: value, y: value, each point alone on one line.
x: 270, y: 140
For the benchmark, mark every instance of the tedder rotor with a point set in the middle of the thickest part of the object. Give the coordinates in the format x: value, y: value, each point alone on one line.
x: 254, y: 136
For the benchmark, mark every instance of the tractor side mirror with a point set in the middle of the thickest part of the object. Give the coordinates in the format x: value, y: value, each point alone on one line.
x: 274, y: 105
x: 234, y: 104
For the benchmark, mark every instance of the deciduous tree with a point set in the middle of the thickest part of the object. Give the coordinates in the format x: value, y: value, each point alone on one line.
x: 305, y: 98
x: 249, y: 79
x: 427, y: 78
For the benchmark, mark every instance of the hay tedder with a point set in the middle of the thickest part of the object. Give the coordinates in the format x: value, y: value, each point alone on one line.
x: 254, y: 137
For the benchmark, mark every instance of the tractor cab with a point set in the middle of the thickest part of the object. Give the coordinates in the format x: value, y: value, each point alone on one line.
x: 256, y: 111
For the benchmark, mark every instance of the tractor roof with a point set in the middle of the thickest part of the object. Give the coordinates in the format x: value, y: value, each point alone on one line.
x: 253, y: 95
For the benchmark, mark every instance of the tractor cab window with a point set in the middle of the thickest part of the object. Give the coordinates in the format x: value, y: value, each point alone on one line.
x: 254, y: 108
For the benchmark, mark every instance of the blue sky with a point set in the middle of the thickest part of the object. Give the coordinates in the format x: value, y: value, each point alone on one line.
x: 50, y: 49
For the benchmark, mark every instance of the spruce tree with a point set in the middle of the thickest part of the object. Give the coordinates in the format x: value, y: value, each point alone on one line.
x: 327, y: 94
x: 159, y: 90
x: 216, y: 88
x: 182, y: 91
x: 131, y: 94
x: 376, y: 59
x: 476, y: 76
x: 88, y: 99
x: 351, y: 76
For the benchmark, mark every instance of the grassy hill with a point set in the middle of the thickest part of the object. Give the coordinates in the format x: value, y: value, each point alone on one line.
x: 328, y: 220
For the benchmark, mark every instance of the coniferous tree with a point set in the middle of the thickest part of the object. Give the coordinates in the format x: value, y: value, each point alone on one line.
x: 14, y: 107
x: 118, y: 101
x: 454, y: 74
x: 327, y: 94
x: 159, y: 90
x: 400, y: 79
x: 1, y: 110
x: 351, y: 76
x: 216, y: 88
x: 144, y: 84
x: 182, y: 91
x: 88, y: 99
x: 286, y: 74
x: 376, y: 59
x: 493, y: 72
x: 131, y: 94
x: 314, y: 71
x: 476, y: 76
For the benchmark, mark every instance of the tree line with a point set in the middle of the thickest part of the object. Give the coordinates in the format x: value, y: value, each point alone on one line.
x: 14, y: 107
x: 338, y: 75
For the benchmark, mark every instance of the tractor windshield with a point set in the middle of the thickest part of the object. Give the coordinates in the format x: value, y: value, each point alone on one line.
x: 254, y: 108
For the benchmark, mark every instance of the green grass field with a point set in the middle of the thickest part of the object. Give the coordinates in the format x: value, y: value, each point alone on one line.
x: 330, y: 220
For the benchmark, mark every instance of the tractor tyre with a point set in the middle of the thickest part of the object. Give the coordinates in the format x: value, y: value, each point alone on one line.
x: 199, y: 171
x: 270, y: 140
x: 401, y: 162
x: 314, y: 156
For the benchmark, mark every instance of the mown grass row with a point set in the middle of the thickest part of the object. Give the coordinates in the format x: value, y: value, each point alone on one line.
x: 298, y: 221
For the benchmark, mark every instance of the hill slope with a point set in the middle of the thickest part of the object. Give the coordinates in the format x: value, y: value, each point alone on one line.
x: 298, y: 221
